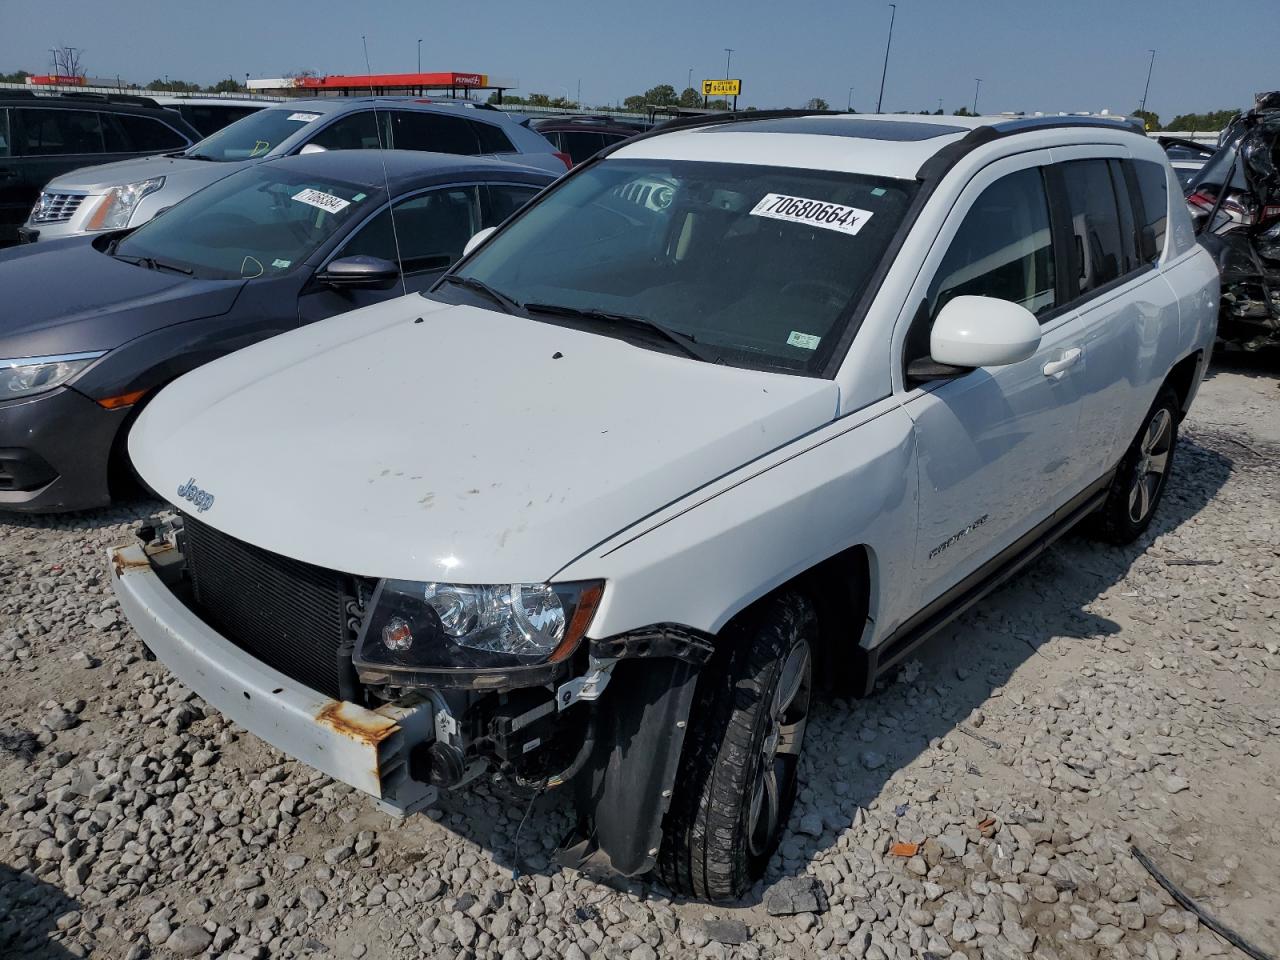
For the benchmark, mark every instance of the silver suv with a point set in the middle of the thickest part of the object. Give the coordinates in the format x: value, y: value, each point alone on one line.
x: 129, y: 193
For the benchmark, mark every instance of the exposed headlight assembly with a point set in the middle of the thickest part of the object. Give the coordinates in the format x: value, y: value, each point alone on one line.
x: 27, y: 376
x: 117, y: 204
x: 475, y: 636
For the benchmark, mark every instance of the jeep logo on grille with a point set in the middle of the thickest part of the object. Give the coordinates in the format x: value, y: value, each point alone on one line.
x: 201, y: 499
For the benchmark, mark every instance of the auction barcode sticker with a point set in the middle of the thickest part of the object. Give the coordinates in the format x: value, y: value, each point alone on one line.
x: 303, y: 117
x: 324, y: 201
x: 812, y: 213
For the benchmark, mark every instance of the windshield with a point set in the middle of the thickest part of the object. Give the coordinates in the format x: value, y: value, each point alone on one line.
x: 262, y: 221
x: 255, y: 135
x: 758, y: 265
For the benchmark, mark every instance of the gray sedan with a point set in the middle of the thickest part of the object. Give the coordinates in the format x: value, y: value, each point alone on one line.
x: 94, y: 326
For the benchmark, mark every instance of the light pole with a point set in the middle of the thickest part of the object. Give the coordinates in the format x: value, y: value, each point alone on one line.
x: 939, y: 105
x: 728, y: 56
x: 976, y: 85
x: 419, y: 55
x: 849, y: 106
x: 689, y: 83
x: 888, y: 43
x: 578, y: 103
x: 1145, y: 89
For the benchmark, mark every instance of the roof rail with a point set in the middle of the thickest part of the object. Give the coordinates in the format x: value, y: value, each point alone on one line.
x: 123, y: 98
x: 730, y: 116
x: 1020, y: 124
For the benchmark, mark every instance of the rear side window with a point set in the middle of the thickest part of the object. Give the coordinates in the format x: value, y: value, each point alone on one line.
x: 1153, y: 188
x: 414, y: 130
x: 492, y: 139
x: 432, y: 229
x: 581, y: 145
x: 209, y: 118
x: 1098, y: 247
x: 1003, y: 249
x: 5, y: 141
x: 355, y: 131
x: 147, y: 135
x: 504, y: 200
x: 53, y: 132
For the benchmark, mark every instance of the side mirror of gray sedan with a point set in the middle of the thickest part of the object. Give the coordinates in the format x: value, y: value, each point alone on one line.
x: 360, y: 271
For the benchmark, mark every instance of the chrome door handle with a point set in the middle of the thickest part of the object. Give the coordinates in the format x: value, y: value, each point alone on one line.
x: 1058, y: 368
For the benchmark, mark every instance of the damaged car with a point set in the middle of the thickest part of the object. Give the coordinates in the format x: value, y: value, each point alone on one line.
x: 737, y: 411
x: 1235, y: 205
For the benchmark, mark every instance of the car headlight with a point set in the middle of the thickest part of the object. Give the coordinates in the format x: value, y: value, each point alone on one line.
x: 454, y: 634
x: 117, y: 204
x: 30, y: 375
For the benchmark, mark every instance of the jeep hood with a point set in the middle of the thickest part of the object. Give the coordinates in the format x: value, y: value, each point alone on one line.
x: 472, y: 446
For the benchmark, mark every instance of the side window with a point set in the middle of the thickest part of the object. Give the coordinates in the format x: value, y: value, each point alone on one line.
x: 611, y: 138
x: 1003, y: 249
x: 1153, y: 189
x: 432, y: 227
x: 52, y: 132
x: 419, y: 130
x: 581, y: 144
x: 5, y: 148
x: 491, y: 137
x: 355, y: 131
x: 148, y: 135
x: 504, y: 200
x: 1098, y: 254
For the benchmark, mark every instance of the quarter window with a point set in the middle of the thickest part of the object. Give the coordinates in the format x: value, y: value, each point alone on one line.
x: 414, y: 130
x: 51, y: 132
x: 581, y: 145
x: 148, y: 135
x: 1098, y: 248
x: 432, y: 228
x: 1153, y: 188
x: 492, y: 139
x: 1003, y: 249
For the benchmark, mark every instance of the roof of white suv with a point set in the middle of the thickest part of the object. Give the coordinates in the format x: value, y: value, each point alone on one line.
x: 895, y: 145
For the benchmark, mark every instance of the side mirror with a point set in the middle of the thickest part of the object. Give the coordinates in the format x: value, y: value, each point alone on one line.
x: 477, y: 239
x: 372, y: 273
x: 312, y: 148
x: 983, y: 332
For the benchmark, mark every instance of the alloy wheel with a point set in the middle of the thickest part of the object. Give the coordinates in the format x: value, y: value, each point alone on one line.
x: 780, y: 750
x: 1153, y: 461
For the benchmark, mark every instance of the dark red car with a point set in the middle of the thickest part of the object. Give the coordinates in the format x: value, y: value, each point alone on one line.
x: 582, y: 137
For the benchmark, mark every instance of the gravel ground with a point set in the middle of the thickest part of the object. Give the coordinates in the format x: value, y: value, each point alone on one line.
x: 1105, y: 698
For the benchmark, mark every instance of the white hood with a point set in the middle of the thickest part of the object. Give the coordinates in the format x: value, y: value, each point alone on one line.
x: 474, y: 446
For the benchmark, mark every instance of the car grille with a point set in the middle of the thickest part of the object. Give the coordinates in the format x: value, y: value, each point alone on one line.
x: 56, y: 207
x: 290, y: 615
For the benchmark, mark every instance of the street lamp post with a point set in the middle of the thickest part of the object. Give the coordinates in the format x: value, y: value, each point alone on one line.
x: 419, y: 56
x: 976, y: 85
x: 888, y: 43
x: 1147, y: 88
x: 849, y: 107
x: 728, y: 57
x: 689, y: 83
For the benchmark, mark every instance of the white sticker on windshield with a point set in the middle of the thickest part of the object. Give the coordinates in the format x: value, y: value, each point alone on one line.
x: 304, y: 117
x: 805, y: 341
x: 281, y: 264
x: 321, y: 200
x: 812, y: 213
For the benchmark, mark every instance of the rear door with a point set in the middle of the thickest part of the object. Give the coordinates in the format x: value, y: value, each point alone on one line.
x: 14, y: 205
x: 421, y: 130
x: 54, y: 141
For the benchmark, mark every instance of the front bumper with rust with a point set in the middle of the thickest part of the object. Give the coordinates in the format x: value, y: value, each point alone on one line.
x: 368, y: 749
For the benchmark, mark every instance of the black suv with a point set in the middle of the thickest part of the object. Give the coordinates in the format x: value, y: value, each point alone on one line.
x: 45, y: 137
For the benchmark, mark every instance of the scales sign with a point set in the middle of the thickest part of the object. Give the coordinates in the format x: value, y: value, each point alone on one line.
x: 721, y: 88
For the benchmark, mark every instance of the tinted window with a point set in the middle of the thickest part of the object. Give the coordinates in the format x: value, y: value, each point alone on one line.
x: 504, y: 200
x: 1098, y: 254
x: 1003, y: 249
x: 432, y: 229
x: 4, y: 133
x: 414, y: 130
x: 356, y: 131
x: 492, y: 139
x: 210, y: 119
x: 47, y: 132
x: 148, y: 135
x: 611, y: 138
x: 1153, y: 188
x: 580, y: 144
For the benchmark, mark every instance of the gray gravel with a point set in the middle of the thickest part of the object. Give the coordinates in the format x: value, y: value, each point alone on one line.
x: 1102, y: 699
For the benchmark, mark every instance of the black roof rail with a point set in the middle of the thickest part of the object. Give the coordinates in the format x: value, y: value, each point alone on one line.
x: 24, y: 94
x: 122, y: 98
x: 710, y: 120
x: 1022, y: 124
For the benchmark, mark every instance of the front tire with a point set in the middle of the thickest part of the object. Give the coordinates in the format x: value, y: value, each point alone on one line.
x: 1142, y: 475
x: 737, y: 777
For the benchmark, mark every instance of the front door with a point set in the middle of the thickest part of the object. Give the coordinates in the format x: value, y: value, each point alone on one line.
x: 997, y: 445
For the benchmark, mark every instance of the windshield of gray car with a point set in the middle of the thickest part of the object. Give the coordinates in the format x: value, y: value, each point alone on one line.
x: 255, y: 135
x: 262, y: 221
x: 761, y: 266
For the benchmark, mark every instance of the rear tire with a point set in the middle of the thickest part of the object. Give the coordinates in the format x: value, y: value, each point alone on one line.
x: 737, y: 777
x: 1142, y: 475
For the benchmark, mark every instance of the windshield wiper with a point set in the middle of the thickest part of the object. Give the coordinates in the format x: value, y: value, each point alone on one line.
x: 151, y: 263
x: 682, y: 340
x: 197, y: 156
x: 497, y: 296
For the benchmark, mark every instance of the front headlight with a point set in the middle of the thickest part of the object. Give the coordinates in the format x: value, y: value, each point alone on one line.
x: 31, y: 375
x: 117, y: 204
x: 453, y: 634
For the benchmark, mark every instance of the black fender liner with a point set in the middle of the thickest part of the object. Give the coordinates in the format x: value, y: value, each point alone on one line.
x: 623, y: 791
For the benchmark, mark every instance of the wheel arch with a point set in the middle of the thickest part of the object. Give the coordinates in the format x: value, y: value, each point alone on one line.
x: 1184, y: 379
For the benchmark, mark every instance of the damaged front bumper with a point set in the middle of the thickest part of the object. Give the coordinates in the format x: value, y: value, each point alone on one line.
x: 368, y: 749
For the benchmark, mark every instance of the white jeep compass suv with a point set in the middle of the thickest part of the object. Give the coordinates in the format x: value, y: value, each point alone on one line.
x: 737, y: 406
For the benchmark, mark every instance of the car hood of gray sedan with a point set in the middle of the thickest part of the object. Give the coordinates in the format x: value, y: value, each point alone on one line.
x: 183, y: 176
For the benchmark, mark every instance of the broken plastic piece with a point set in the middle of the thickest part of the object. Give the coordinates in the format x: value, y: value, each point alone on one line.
x: 902, y: 849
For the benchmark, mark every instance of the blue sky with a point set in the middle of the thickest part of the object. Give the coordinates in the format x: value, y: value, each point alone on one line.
x: 1031, y: 54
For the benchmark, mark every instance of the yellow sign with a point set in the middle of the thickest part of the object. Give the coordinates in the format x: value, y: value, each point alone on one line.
x: 721, y: 88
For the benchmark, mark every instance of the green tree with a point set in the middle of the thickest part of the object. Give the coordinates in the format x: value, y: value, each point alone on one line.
x: 226, y: 86
x: 691, y: 97
x: 1149, y: 120
x: 816, y: 103
x: 1214, y: 120
x: 18, y: 76
x: 963, y: 112
x: 174, y: 86
x: 538, y: 100
x: 663, y: 95
x: 634, y: 104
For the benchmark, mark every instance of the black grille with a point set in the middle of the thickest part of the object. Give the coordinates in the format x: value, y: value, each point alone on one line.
x: 290, y: 615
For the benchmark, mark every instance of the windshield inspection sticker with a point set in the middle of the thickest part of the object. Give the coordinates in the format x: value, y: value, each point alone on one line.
x: 322, y: 201
x: 281, y: 264
x: 812, y: 213
x: 304, y: 117
x: 805, y: 341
